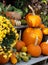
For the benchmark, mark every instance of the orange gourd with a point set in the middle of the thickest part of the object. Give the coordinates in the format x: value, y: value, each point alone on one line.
x: 13, y: 58
x: 13, y: 22
x: 29, y: 36
x: 42, y: 26
x: 19, y: 45
x: 3, y: 60
x: 44, y: 48
x: 32, y: 19
x: 34, y: 49
x: 45, y: 31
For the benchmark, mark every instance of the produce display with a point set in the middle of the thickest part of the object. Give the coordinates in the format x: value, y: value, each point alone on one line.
x: 8, y: 39
x: 32, y: 43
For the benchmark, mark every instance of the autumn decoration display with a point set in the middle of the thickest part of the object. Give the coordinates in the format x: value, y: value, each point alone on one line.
x: 12, y: 21
x: 8, y: 39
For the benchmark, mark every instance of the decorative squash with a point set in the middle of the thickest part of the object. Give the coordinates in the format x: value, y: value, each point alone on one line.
x: 44, y: 48
x: 19, y: 45
x: 13, y: 22
x: 42, y: 26
x: 24, y: 49
x: 34, y: 49
x: 29, y: 36
x: 45, y: 31
x: 32, y: 19
x: 3, y: 59
x: 13, y: 59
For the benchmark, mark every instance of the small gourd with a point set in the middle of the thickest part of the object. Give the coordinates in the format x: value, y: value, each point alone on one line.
x: 44, y: 47
x: 13, y: 58
x: 45, y: 31
x: 19, y: 45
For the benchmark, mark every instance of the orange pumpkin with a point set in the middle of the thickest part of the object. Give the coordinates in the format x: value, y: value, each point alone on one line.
x: 44, y: 48
x: 45, y: 31
x: 29, y: 36
x: 42, y: 26
x: 32, y: 19
x: 34, y: 50
x: 19, y: 45
x: 3, y: 59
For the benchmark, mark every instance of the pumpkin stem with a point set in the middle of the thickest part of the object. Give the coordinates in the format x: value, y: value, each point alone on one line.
x: 46, y: 41
x: 31, y: 8
x: 36, y: 41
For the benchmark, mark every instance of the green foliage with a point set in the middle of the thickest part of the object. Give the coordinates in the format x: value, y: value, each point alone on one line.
x: 1, y: 7
x: 13, y: 8
x: 8, y: 40
x: 23, y: 22
x: 44, y: 19
x: 20, y: 3
x: 41, y: 8
x: 23, y: 5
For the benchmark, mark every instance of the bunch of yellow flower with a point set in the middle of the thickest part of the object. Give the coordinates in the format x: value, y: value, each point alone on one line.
x: 8, y: 35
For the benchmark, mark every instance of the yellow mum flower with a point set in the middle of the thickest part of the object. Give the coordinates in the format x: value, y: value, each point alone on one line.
x: 8, y: 36
x: 4, y: 36
x: 1, y: 39
x: 1, y: 52
x: 13, y: 29
x: 1, y: 18
x: 10, y: 55
x: 5, y: 31
x: 0, y: 47
x: 5, y: 25
x: 5, y: 56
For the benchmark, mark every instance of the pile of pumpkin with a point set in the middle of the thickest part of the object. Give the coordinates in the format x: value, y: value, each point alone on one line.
x: 31, y: 43
x: 33, y: 36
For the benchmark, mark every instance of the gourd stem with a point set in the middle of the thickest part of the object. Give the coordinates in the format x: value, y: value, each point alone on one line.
x: 36, y: 41
x: 47, y: 42
x: 31, y: 8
